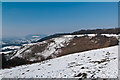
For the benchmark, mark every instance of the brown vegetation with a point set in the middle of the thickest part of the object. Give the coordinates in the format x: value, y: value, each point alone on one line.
x: 79, y: 44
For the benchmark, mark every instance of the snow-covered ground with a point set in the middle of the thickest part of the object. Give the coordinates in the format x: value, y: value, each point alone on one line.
x: 101, y: 63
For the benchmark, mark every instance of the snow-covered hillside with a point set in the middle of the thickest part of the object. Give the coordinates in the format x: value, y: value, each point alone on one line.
x: 101, y: 63
x: 52, y: 47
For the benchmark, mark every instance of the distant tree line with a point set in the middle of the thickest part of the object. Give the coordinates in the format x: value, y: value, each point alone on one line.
x: 99, y: 31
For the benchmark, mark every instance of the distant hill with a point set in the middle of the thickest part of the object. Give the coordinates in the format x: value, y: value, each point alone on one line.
x: 99, y: 31
x: 89, y: 31
x: 19, y: 41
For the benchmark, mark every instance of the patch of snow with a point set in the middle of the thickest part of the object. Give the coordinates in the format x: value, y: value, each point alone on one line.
x: 7, y: 52
x: 36, y: 36
x: 110, y: 35
x: 51, y: 48
x: 11, y: 47
x: 19, y: 52
x: 81, y: 35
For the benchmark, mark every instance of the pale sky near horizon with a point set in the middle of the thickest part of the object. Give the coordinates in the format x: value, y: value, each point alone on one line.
x: 23, y: 18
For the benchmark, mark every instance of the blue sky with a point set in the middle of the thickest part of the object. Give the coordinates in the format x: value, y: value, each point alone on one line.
x: 20, y: 19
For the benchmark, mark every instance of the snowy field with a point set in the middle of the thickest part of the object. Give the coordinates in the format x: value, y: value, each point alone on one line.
x: 101, y: 63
